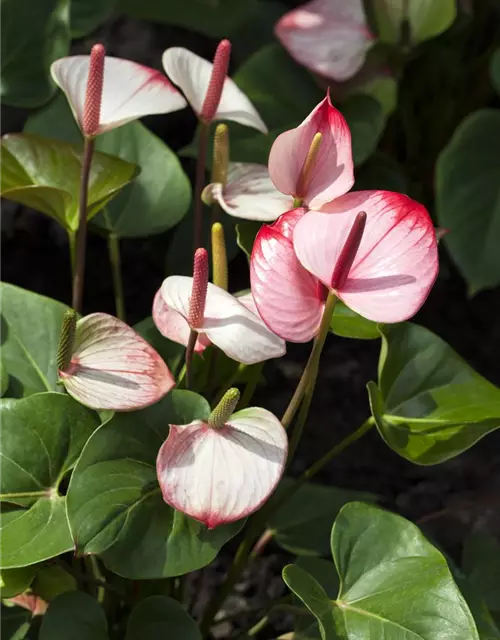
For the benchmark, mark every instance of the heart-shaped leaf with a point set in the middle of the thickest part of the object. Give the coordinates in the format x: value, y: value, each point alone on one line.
x: 87, y: 15
x: 31, y: 326
x: 394, y: 583
x: 161, y: 617
x: 366, y: 119
x: 42, y: 437
x: 34, y: 34
x: 349, y: 324
x: 159, y: 196
x: 426, y: 18
x: 481, y: 563
x: 115, y: 507
x: 44, y: 174
x: 303, y: 524
x: 15, y: 581
x: 430, y: 405
x: 74, y: 615
x: 468, y: 198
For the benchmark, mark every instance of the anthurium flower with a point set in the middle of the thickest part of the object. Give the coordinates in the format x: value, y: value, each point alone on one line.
x: 249, y: 193
x: 313, y: 162
x: 104, y: 364
x: 127, y: 90
x: 383, y: 268
x: 329, y: 37
x: 223, y: 469
x: 208, y: 89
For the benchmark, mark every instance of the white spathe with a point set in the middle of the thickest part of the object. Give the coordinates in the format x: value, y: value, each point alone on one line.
x: 192, y: 74
x: 130, y: 90
x: 219, y: 475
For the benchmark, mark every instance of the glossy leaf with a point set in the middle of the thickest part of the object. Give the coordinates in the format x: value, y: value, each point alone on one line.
x: 29, y: 349
x: 42, y: 438
x: 481, y: 563
x: 161, y: 617
x: 394, y: 583
x: 430, y: 405
x: 159, y: 196
x: 45, y: 174
x: 34, y: 34
x: 427, y: 18
x: 115, y: 507
x: 74, y: 615
x: 87, y: 15
x: 366, y: 119
x: 304, y: 522
x: 4, y: 378
x: 15, y: 581
x: 468, y: 198
x: 349, y: 324
x: 51, y: 581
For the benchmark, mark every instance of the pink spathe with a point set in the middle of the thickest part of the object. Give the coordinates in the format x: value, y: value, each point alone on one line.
x: 219, y: 475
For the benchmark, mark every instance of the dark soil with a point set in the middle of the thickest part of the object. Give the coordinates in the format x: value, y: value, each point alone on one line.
x: 449, y: 500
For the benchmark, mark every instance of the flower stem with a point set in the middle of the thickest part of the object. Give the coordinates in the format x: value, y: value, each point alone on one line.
x: 310, y: 372
x: 115, y: 262
x: 81, y: 234
x: 193, y: 336
x: 72, y: 250
x: 94, y: 570
x: 199, y: 184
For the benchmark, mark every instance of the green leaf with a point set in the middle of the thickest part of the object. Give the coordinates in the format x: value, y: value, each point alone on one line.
x: 29, y: 348
x: 495, y: 70
x: 42, y: 438
x: 87, y: 15
x: 15, y: 581
x: 302, y: 525
x: 74, y: 615
x: 366, y: 119
x: 394, y: 583
x: 468, y: 198
x: 45, y: 174
x: 15, y: 623
x: 171, y: 352
x: 159, y: 196
x: 349, y: 324
x: 161, y: 617
x: 115, y: 507
x: 4, y: 378
x: 215, y: 19
x: 430, y: 405
x: 314, y: 597
x: 34, y: 34
x: 427, y: 18
x: 486, y: 626
x: 51, y: 581
x: 481, y: 563
x: 245, y: 235
x: 381, y: 171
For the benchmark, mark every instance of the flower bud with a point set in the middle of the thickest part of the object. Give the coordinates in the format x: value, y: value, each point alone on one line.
x: 224, y: 410
x: 216, y: 84
x: 199, y: 291
x: 348, y: 252
x: 93, y: 96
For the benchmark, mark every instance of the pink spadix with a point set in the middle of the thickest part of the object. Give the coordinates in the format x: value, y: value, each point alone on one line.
x: 93, y: 94
x: 198, y: 297
x: 348, y: 252
x: 215, y: 86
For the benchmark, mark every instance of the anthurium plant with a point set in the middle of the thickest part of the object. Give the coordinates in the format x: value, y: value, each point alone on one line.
x: 133, y: 456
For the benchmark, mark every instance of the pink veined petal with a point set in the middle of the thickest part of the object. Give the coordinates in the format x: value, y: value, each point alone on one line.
x: 288, y: 298
x: 191, y: 74
x: 112, y: 367
x: 130, y: 90
x: 242, y: 335
x: 250, y: 193
x: 218, y: 476
x: 173, y: 325
x: 333, y: 172
x: 330, y: 37
x: 397, y: 260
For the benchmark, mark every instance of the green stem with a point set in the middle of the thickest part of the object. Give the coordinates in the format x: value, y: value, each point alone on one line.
x: 201, y: 164
x: 81, y: 234
x: 93, y: 568
x: 115, y: 262
x: 255, y: 373
x: 310, y: 372
x: 5, y: 497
